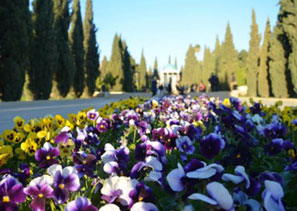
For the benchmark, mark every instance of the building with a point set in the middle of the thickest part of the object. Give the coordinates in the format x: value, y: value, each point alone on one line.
x: 170, y: 73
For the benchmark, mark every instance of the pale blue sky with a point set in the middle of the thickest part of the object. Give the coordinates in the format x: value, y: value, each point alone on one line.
x: 167, y: 27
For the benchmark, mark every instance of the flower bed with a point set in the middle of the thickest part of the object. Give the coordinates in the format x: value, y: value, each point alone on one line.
x: 175, y: 153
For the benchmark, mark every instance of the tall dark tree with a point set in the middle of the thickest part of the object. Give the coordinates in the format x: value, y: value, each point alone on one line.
x: 263, y: 77
x: 253, y: 58
x: 91, y: 50
x: 128, y: 74
x: 228, y: 59
x: 277, y: 65
x: 175, y: 62
x: 65, y: 69
x: 44, y: 51
x: 142, y: 71
x: 156, y: 73
x: 169, y: 59
x: 76, y: 39
x: 14, y: 47
x: 115, y: 66
x: 287, y: 20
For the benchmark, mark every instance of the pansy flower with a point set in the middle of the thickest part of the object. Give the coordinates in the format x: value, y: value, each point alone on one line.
x: 6, y: 153
x: 102, y: 125
x: 92, y: 114
x: 118, y: 188
x: 211, y: 145
x: 218, y: 196
x: 141, y: 193
x: 80, y: 204
x: 29, y: 146
x: 11, y: 193
x: 144, y: 206
x: 84, y: 163
x: 60, y: 121
x: 19, y: 122
x: 65, y: 144
x: 40, y: 190
x: 272, y: 196
x: 47, y: 155
x: 65, y: 180
x: 9, y: 135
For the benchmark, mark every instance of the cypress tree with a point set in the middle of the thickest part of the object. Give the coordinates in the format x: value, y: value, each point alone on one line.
x: 115, y: 66
x: 156, y: 73
x: 128, y: 74
x: 169, y: 59
x: 208, y: 65
x: 76, y: 39
x: 253, y: 58
x: 277, y: 65
x: 91, y: 50
x: 189, y: 74
x: 228, y: 60
x: 142, y: 71
x: 44, y: 51
x: 175, y: 62
x: 263, y: 78
x: 287, y: 20
x: 65, y: 69
x: 14, y: 47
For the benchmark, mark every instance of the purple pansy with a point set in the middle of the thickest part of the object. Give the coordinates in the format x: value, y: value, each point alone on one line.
x: 272, y: 196
x: 141, y: 193
x: 102, y: 125
x: 219, y: 196
x: 65, y: 180
x: 274, y: 147
x: 47, y: 155
x: 185, y: 145
x: 40, y: 190
x: 84, y: 163
x: 272, y: 176
x: 240, y: 198
x: 11, y: 193
x: 239, y: 177
x: 92, y: 114
x: 80, y: 204
x: 211, y: 145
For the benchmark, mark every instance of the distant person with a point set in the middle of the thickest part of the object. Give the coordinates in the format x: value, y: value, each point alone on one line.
x: 192, y: 89
x: 214, y: 82
x: 169, y: 88
x: 202, y: 87
x: 154, y: 86
x: 160, y: 89
x: 233, y: 83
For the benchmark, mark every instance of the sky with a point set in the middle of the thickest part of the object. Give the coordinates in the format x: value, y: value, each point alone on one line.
x: 167, y: 27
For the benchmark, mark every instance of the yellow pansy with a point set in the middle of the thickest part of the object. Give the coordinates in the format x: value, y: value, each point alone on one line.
x: 19, y: 137
x: 29, y: 146
x: 69, y: 124
x: 81, y: 117
x: 5, y: 154
x: 66, y: 148
x: 46, y: 123
x: 226, y: 102
x: 19, y: 122
x: 60, y: 121
x: 154, y: 104
x: 9, y: 135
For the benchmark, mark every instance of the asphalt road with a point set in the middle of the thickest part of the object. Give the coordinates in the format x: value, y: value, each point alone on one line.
x: 36, y: 109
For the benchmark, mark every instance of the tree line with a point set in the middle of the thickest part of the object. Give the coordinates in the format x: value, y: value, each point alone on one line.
x: 268, y: 70
x: 47, y: 50
x: 52, y: 51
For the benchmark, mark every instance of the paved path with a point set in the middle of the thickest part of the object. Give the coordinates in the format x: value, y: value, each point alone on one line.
x: 36, y: 109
